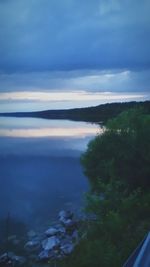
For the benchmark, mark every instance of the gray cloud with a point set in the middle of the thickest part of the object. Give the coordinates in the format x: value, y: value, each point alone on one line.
x: 86, y: 80
x: 44, y: 35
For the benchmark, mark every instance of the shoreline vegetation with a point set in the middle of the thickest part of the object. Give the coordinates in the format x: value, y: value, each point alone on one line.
x: 117, y: 165
x: 96, y: 114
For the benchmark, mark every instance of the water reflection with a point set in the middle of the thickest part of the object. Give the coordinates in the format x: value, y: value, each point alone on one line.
x: 40, y: 166
x: 19, y: 127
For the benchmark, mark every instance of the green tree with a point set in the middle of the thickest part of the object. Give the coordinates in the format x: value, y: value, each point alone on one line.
x: 122, y: 151
x: 117, y: 164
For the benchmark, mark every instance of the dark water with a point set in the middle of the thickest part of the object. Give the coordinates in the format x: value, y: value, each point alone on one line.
x: 40, y: 171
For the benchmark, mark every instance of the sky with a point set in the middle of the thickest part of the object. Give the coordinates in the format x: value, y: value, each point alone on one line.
x: 73, y: 53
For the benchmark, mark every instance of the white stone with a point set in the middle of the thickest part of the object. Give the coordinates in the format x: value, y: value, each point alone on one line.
x: 51, y: 232
x: 32, y: 245
x: 50, y: 243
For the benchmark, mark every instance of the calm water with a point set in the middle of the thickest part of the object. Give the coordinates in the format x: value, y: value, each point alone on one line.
x: 40, y: 171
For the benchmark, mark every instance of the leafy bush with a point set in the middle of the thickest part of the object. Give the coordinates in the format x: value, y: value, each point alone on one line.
x: 117, y: 164
x: 121, y: 222
x: 122, y: 151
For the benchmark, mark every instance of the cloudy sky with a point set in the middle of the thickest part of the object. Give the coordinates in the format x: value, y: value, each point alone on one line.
x: 69, y: 53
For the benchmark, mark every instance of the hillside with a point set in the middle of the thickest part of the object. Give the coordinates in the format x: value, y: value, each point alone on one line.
x: 89, y: 114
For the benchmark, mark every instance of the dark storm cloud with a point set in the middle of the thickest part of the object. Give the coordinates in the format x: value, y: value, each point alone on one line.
x: 84, y: 80
x: 42, y: 35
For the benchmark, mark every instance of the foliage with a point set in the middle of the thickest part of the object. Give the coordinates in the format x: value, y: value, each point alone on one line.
x: 122, y: 221
x: 104, y: 112
x: 117, y: 164
x: 122, y: 151
x: 99, y: 113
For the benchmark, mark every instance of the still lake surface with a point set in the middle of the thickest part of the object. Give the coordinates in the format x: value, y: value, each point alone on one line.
x: 40, y: 171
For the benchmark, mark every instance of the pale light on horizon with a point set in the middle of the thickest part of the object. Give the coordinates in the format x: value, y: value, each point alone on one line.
x: 66, y: 96
x: 37, y: 100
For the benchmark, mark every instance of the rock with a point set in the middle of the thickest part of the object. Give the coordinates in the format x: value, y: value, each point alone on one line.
x: 65, y: 218
x: 56, y: 243
x: 4, y: 258
x: 10, y: 259
x: 69, y: 225
x: 46, y: 255
x: 65, y: 215
x: 19, y: 259
x: 60, y: 239
x: 51, y: 232
x: 67, y: 248
x: 58, y: 231
x: 43, y: 256
x: 61, y: 230
x: 50, y: 243
x: 32, y: 245
x: 67, y: 239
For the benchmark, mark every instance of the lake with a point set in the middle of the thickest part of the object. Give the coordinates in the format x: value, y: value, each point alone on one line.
x: 40, y: 171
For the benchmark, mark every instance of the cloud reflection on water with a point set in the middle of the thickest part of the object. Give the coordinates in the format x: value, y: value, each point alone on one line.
x: 49, y: 132
x: 37, y: 128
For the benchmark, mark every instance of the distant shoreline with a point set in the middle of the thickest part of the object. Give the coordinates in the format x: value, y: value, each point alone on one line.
x: 96, y: 114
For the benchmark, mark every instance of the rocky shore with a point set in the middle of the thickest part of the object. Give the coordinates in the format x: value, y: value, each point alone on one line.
x: 55, y: 244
